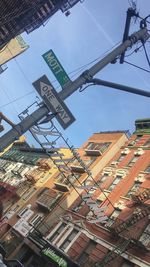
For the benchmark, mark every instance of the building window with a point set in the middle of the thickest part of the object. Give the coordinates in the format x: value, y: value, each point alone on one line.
x: 132, y: 161
x: 145, y: 237
x: 147, y: 143
x: 121, y: 158
x: 90, y: 161
x: 69, y: 239
x: 98, y: 146
x: 36, y: 219
x: 22, y: 212
x: 29, y: 193
x: 132, y: 143
x: 84, y: 256
x: 138, y: 137
x: 127, y: 264
x: 103, y: 178
x: 58, y: 232
x: 147, y: 169
x: 79, y: 206
x: 25, y: 213
x: 71, y: 179
x: 113, y: 217
x: 115, y: 182
x: 133, y: 189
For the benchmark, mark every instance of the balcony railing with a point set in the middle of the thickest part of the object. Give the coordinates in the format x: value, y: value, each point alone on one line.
x: 49, y: 200
x: 141, y: 197
x: 119, y: 225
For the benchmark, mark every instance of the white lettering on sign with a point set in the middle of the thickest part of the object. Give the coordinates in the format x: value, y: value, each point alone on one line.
x: 98, y: 211
x: 54, y: 63
x: 47, y: 91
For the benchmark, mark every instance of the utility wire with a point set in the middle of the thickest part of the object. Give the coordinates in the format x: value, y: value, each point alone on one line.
x: 16, y: 99
x: 73, y: 72
x: 134, y: 51
x: 136, y: 66
x: 146, y: 54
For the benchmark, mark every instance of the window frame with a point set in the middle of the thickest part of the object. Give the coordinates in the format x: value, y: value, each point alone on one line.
x: 132, y: 190
x: 144, y: 235
x: 147, y: 170
x: 54, y: 235
x: 68, y: 241
x: 132, y: 161
x: 113, y: 184
x: 34, y: 219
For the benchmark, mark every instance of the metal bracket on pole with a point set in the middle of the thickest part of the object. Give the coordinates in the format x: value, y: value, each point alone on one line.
x: 131, y: 12
x: 120, y: 87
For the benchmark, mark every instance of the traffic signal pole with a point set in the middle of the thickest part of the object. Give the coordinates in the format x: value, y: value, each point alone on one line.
x: 43, y: 111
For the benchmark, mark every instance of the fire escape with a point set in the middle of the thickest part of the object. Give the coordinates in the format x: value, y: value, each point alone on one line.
x: 119, y: 226
x: 141, y: 197
x: 113, y: 254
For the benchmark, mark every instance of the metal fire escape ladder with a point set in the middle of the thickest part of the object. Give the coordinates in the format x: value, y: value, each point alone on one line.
x: 48, y: 138
x: 120, y: 225
x: 113, y: 254
x: 141, y: 196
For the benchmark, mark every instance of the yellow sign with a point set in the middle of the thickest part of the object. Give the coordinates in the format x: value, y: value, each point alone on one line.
x: 15, y: 47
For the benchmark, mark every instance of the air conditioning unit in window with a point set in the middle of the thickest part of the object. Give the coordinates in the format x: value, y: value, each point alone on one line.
x: 114, y: 163
x: 140, y: 178
x: 113, y: 217
x: 102, y: 197
x: 132, y: 143
x: 139, y: 152
x: 121, y: 172
x: 119, y: 205
x: 125, y: 151
x: 61, y: 187
x: 93, y: 152
x: 108, y: 170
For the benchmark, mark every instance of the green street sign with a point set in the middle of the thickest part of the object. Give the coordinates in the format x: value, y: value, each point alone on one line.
x: 51, y: 254
x: 56, y: 67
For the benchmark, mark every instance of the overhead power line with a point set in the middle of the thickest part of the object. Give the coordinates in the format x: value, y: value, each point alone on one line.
x: 146, y: 54
x: 73, y: 72
x: 136, y: 66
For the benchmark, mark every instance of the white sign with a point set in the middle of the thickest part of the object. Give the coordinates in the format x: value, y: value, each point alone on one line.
x: 22, y: 227
x: 53, y: 101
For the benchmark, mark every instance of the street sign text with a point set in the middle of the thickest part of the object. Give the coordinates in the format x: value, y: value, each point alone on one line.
x: 56, y: 67
x: 53, y: 101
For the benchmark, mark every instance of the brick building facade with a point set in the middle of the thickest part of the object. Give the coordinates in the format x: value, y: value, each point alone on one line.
x: 53, y: 222
x: 42, y: 195
x: 17, y: 16
x: 124, y: 239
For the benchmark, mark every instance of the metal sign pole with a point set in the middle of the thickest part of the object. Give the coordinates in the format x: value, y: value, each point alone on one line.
x: 37, y: 115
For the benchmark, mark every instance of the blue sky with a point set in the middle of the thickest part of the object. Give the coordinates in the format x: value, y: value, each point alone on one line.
x: 93, y: 28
